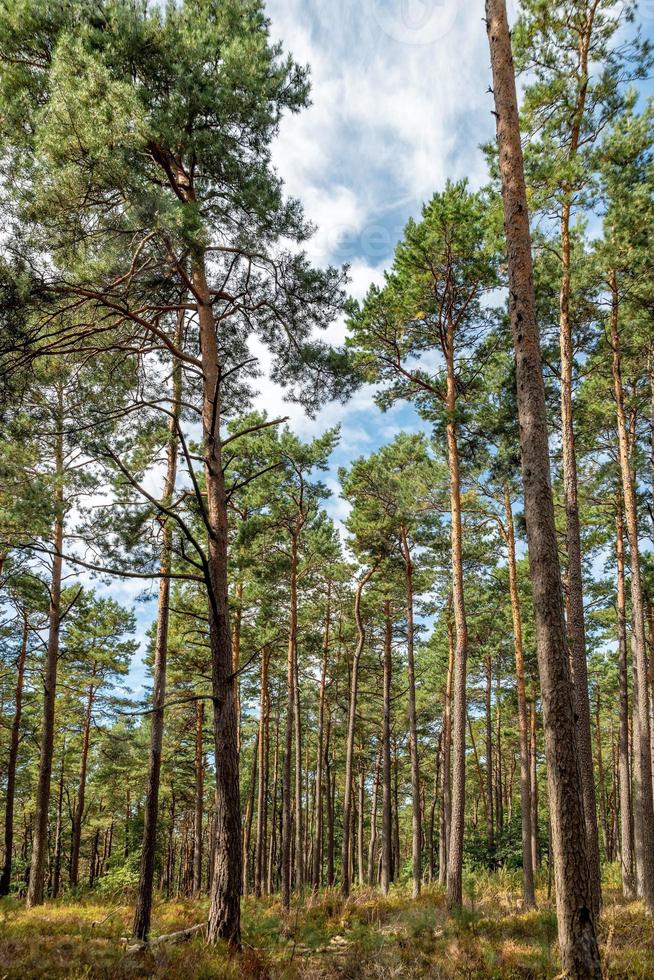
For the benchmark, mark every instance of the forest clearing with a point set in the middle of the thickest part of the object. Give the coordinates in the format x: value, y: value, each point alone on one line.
x: 327, y: 936
x: 326, y: 489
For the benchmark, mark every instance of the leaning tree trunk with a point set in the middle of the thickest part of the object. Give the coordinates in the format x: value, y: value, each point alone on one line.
x: 529, y: 896
x: 224, y: 911
x: 416, y: 826
x: 40, y: 840
x: 455, y: 848
x: 14, y: 740
x: 78, y: 814
x: 143, y: 909
x: 644, y: 808
x: 387, y: 817
x: 351, y: 723
x: 576, y: 924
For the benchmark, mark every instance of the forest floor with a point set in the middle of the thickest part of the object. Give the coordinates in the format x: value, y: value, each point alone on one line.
x: 324, y: 937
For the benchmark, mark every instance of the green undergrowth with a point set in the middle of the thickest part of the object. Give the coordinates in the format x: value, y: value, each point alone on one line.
x: 323, y: 936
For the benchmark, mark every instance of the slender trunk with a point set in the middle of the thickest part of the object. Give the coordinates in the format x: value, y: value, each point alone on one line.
x: 528, y: 892
x: 5, y: 878
x: 499, y: 800
x: 601, y: 776
x: 416, y: 826
x: 351, y: 723
x: 397, y: 857
x: 575, y: 618
x: 40, y: 838
x: 372, y: 843
x: 330, y: 782
x: 432, y: 811
x: 78, y: 814
x: 533, y: 788
x: 455, y: 855
x: 236, y: 657
x: 249, y: 812
x: 262, y: 799
x: 143, y: 909
x: 272, y: 849
x: 446, y: 808
x: 299, y: 817
x: 317, y: 840
x: 480, y: 774
x: 490, y: 834
x: 576, y: 925
x: 224, y: 911
x: 199, y: 798
x: 56, y: 861
x: 386, y: 859
x: 643, y: 809
x: 360, y: 827
x: 287, y: 821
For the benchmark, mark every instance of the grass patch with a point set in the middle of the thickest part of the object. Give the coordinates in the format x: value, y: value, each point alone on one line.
x: 367, y: 936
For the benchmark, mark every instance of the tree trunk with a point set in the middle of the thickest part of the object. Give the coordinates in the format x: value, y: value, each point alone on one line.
x: 528, y: 892
x: 143, y: 909
x: 372, y: 843
x: 317, y: 840
x: 387, y: 820
x: 490, y: 830
x: 416, y: 826
x: 40, y: 839
x: 455, y: 856
x: 262, y: 799
x: 224, y: 912
x: 643, y: 809
x: 361, y: 869
x: 199, y: 798
x: 272, y: 848
x: 5, y: 878
x: 533, y: 774
x: 575, y: 619
x: 576, y: 925
x: 287, y: 823
x: 249, y: 811
x: 601, y: 776
x: 56, y: 861
x: 446, y: 807
x: 331, y: 794
x: 351, y: 723
x: 78, y: 814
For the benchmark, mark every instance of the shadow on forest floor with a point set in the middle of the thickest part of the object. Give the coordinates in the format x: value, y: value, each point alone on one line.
x: 323, y: 937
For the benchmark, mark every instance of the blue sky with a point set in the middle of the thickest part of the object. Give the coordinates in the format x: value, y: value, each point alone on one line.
x: 400, y: 103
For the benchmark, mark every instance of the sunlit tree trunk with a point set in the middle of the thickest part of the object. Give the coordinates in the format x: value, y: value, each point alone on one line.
x: 576, y: 925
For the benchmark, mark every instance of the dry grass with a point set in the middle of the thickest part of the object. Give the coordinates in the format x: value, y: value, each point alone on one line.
x: 324, y: 937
